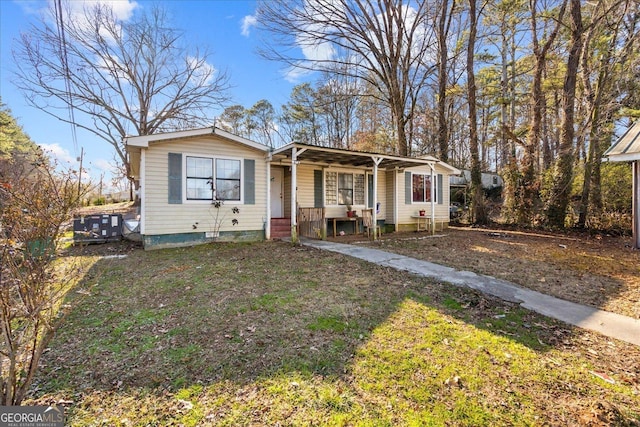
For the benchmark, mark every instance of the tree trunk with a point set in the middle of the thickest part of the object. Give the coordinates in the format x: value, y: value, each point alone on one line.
x: 443, y: 31
x: 478, y: 210
x: 558, y: 202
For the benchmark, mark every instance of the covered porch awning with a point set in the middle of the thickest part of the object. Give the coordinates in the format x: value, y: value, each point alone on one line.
x: 627, y: 149
x: 296, y: 153
x: 340, y: 157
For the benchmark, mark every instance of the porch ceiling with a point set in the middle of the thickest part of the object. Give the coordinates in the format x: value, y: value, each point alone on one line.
x: 334, y: 156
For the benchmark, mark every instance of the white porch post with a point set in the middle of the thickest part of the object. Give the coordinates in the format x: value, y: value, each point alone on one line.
x: 376, y: 162
x: 636, y: 203
x: 294, y: 192
x: 433, y: 199
x: 267, y: 231
x: 294, y: 195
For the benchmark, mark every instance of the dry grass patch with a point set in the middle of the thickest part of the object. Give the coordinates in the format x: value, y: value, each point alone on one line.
x: 260, y: 334
x: 602, y: 271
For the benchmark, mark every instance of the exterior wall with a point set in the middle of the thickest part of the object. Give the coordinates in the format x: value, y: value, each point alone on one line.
x: 390, y: 191
x: 405, y: 211
x: 186, y: 223
x: 304, y: 175
x: 306, y: 194
x: 386, y: 208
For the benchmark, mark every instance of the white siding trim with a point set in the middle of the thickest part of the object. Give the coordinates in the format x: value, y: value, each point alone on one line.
x: 143, y: 184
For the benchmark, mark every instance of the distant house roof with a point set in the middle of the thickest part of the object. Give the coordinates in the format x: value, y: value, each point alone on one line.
x: 627, y: 148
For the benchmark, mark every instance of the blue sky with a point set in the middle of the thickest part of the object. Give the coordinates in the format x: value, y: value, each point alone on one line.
x: 222, y: 25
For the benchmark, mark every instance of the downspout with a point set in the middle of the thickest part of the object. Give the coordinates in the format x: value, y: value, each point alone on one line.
x: 267, y: 226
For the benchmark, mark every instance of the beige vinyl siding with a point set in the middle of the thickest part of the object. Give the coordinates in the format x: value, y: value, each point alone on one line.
x: 390, y: 186
x: 305, y: 185
x: 441, y: 210
x: 160, y: 217
x: 386, y: 210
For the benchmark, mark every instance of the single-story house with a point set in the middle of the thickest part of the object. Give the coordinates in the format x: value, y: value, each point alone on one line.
x: 207, y: 184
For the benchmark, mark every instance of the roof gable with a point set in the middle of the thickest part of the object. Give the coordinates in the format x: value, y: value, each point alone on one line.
x: 144, y: 141
x: 627, y: 148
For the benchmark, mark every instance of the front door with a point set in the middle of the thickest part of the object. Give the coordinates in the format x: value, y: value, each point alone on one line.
x: 277, y: 193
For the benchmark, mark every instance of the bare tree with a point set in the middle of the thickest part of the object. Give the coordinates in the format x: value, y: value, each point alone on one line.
x: 122, y: 77
x: 385, y: 43
x: 35, y: 201
x: 445, y: 17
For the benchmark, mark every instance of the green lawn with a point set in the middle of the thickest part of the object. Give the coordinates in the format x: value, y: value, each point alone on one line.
x: 261, y: 334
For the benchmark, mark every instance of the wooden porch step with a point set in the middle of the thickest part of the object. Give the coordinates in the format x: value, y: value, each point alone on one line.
x: 280, y: 227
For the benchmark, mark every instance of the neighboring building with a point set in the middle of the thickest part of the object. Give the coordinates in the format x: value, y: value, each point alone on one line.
x: 490, y: 180
x: 269, y: 193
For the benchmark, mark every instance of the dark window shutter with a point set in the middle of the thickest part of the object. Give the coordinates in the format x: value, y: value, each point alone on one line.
x: 407, y: 188
x: 440, y: 189
x: 175, y: 178
x: 318, y: 189
x: 249, y: 182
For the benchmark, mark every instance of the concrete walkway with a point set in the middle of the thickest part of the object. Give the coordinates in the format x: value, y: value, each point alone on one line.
x: 610, y: 324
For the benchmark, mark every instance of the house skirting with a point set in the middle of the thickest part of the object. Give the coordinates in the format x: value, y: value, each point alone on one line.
x: 163, y: 241
x: 440, y: 226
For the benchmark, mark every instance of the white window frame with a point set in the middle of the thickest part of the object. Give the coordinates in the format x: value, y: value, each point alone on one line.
x: 213, y: 159
x: 432, y: 185
x: 353, y: 173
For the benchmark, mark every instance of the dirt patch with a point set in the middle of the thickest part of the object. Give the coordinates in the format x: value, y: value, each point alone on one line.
x: 600, y: 271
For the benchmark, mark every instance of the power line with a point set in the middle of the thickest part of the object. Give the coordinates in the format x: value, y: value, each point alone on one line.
x: 65, y: 65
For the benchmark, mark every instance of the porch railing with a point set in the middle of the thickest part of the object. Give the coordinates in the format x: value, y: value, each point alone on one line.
x: 312, y: 223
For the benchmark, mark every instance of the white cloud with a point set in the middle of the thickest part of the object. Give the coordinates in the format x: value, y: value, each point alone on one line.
x: 58, y: 153
x: 295, y: 74
x: 102, y: 165
x: 203, y: 71
x: 248, y: 22
x: 122, y: 9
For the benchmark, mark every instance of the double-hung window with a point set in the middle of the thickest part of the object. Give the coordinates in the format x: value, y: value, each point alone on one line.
x: 421, y: 188
x: 227, y: 179
x: 345, y: 188
x: 212, y: 179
